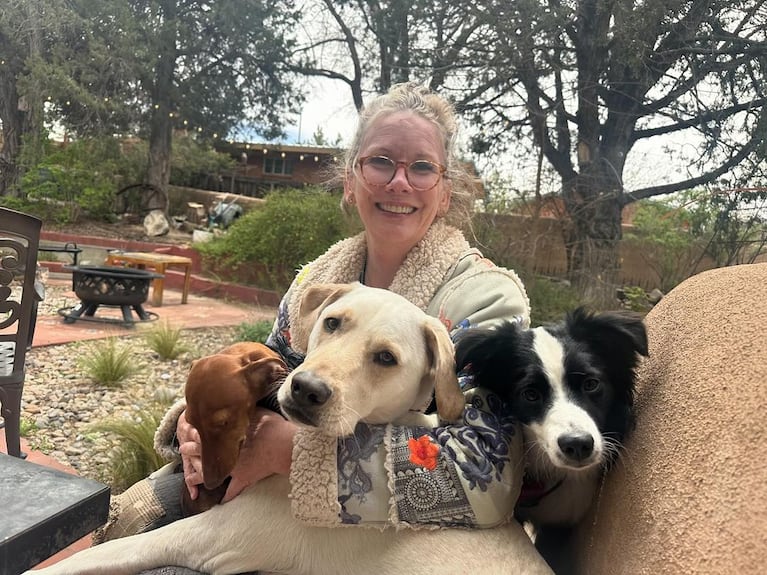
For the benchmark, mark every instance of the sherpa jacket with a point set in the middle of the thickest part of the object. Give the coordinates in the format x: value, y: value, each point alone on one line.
x: 466, y: 474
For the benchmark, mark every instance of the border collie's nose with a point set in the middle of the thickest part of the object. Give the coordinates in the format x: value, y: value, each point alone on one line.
x: 576, y: 447
x: 308, y: 390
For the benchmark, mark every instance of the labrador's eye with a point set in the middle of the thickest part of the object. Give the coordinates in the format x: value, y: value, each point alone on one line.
x: 332, y: 323
x: 385, y: 358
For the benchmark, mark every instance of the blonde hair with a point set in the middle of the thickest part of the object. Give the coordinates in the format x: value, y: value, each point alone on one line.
x: 418, y: 99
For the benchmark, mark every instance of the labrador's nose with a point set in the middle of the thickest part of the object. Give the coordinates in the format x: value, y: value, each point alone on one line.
x: 308, y: 390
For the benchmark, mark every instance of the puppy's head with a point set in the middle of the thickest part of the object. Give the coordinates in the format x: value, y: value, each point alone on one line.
x: 571, y: 385
x: 372, y: 356
x: 221, y: 391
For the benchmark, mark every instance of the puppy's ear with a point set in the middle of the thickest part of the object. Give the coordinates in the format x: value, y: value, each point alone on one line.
x: 494, y: 356
x: 314, y: 299
x: 611, y: 334
x: 261, y: 373
x: 473, y: 348
x: 447, y: 392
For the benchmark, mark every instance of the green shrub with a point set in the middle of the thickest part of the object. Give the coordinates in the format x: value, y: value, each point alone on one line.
x: 190, y: 159
x: 549, y: 300
x: 292, y: 228
x: 165, y: 341
x: 636, y: 299
x: 258, y: 331
x: 80, y: 179
x: 108, y: 363
x: 132, y: 456
x: 27, y: 427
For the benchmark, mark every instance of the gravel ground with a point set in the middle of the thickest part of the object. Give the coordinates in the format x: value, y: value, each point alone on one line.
x: 61, y: 405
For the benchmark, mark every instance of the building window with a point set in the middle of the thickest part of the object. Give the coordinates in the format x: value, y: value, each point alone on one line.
x: 278, y: 166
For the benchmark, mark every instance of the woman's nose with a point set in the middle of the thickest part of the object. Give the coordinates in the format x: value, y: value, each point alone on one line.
x: 399, y: 179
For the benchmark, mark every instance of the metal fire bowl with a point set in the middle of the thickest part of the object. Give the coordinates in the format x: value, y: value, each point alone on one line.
x: 111, y: 285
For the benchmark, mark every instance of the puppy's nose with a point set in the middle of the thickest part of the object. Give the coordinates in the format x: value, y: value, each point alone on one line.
x: 576, y: 447
x: 308, y: 390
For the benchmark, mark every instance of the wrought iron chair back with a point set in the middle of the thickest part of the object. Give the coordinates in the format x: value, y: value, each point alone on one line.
x: 19, y: 240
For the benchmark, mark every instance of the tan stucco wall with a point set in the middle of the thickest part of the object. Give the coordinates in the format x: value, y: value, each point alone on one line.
x: 690, y: 495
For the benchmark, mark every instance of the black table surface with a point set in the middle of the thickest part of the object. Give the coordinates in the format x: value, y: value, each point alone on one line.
x: 43, y: 510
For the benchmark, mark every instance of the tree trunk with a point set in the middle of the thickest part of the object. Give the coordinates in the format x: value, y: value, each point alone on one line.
x: 593, y: 203
x: 21, y: 115
x: 160, y: 136
x: 13, y: 122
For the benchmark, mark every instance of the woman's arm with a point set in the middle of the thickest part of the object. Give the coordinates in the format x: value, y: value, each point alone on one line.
x: 429, y: 475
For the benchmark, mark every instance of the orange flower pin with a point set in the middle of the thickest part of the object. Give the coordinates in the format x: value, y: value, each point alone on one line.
x: 423, y: 452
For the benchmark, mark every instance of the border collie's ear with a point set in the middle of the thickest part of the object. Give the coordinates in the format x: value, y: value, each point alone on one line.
x: 611, y: 333
x: 482, y: 348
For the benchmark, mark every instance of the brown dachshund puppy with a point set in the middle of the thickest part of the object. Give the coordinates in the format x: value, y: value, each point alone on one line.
x: 222, y: 391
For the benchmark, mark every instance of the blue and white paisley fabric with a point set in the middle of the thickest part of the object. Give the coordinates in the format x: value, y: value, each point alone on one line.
x: 473, y: 457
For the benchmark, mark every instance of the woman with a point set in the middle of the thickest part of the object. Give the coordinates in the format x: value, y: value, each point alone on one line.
x: 403, y: 177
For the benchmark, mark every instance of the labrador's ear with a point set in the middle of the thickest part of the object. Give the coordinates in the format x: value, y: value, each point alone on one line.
x: 447, y: 392
x: 314, y: 299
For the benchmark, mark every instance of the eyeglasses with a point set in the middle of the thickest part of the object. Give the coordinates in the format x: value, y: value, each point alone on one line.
x: 422, y: 175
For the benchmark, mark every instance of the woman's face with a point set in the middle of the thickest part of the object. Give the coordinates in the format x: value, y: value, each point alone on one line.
x: 396, y: 213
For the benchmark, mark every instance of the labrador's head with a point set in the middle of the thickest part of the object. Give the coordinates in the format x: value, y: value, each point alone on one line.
x: 372, y: 356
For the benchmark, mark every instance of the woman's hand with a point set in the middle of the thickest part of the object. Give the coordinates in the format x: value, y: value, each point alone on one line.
x: 267, y: 450
x: 191, y: 454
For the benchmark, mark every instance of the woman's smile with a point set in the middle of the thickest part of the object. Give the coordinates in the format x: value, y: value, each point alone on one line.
x: 395, y: 208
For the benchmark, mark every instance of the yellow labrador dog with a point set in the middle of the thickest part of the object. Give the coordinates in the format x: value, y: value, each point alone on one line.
x: 371, y: 356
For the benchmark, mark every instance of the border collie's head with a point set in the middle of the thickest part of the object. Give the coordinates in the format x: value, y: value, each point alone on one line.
x: 571, y: 384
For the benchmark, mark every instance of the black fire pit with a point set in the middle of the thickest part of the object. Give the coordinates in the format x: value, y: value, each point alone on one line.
x: 96, y: 286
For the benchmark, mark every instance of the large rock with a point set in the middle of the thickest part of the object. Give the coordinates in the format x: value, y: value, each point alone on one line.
x: 156, y: 224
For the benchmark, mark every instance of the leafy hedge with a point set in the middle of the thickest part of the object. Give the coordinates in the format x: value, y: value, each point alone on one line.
x: 269, y: 243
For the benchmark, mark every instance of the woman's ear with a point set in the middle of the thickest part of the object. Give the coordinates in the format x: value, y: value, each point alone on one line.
x: 444, y: 202
x: 349, y: 187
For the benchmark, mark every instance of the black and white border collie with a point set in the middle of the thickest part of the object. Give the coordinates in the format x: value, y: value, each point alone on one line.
x: 571, y: 386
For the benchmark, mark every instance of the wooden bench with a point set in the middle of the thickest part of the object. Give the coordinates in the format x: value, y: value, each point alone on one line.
x: 158, y: 262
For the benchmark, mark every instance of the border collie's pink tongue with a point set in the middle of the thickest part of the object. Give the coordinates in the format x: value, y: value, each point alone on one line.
x: 532, y: 491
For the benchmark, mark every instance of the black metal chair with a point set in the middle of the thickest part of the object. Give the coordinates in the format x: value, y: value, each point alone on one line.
x: 19, y: 240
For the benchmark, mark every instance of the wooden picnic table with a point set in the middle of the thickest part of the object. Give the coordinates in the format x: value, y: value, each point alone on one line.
x: 158, y: 262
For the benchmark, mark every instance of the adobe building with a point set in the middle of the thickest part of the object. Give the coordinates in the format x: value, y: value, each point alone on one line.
x: 262, y: 168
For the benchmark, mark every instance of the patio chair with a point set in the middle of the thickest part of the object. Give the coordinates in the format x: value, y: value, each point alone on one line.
x: 19, y: 240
